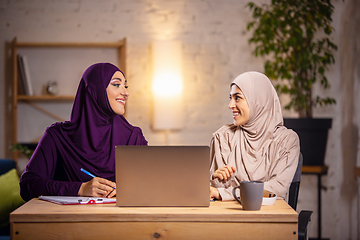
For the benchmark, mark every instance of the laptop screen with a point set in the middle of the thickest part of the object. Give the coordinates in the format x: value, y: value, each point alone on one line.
x: 162, y: 176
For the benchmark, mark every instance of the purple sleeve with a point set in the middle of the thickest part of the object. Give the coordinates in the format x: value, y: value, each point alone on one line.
x: 137, y: 137
x: 38, y: 177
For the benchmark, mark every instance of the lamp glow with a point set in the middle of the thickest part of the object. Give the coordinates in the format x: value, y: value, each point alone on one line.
x: 167, y: 85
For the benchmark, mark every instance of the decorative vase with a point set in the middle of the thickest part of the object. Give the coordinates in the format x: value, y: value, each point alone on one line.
x: 313, y: 133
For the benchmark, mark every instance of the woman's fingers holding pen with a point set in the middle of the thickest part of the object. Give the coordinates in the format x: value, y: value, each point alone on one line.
x: 104, y: 187
x: 108, y: 186
x: 112, y: 194
x: 97, y: 187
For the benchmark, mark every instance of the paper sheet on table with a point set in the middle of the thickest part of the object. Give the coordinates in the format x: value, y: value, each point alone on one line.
x: 65, y: 200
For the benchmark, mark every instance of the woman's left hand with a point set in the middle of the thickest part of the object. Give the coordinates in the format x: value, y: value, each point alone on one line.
x: 224, y: 173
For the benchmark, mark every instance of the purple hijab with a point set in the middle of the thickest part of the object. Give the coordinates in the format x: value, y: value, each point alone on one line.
x: 87, y: 141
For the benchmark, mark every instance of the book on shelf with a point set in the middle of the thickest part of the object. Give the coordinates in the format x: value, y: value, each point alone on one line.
x: 25, y: 74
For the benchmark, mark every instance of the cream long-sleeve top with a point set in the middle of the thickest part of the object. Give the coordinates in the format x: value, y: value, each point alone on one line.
x: 276, y: 172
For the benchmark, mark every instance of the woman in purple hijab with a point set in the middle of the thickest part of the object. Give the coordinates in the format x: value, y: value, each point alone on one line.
x: 87, y: 141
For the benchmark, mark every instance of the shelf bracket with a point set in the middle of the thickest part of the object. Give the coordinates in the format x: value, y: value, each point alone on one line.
x: 45, y: 111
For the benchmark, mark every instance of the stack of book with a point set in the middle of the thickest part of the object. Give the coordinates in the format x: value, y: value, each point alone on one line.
x: 25, y: 74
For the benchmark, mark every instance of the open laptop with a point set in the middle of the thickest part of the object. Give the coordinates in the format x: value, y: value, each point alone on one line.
x: 162, y: 176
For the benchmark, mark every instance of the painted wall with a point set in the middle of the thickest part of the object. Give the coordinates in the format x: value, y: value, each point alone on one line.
x: 215, y: 51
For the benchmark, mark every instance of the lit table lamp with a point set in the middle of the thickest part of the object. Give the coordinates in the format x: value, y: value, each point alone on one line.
x: 167, y: 85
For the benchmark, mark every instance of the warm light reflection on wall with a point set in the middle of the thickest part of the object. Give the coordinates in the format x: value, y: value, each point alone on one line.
x: 167, y: 85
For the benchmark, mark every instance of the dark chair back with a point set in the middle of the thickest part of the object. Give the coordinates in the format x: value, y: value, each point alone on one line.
x: 304, y: 215
x: 295, y: 185
x: 6, y: 165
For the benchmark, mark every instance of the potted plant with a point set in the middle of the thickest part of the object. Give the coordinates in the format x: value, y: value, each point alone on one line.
x: 22, y: 149
x: 294, y: 36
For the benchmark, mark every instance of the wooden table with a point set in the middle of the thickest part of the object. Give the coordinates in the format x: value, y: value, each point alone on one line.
x: 39, y: 219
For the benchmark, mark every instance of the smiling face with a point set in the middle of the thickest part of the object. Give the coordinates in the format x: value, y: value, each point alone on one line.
x: 239, y: 106
x: 117, y: 93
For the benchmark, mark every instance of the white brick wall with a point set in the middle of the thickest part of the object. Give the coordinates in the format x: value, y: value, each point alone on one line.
x: 215, y: 51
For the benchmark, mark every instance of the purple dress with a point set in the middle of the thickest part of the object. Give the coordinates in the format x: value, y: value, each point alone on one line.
x: 87, y: 141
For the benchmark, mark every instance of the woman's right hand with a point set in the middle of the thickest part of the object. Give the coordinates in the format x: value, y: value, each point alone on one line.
x: 214, y: 193
x: 224, y: 173
x: 98, y: 187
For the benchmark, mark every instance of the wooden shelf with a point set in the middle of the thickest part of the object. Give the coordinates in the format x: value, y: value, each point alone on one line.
x: 73, y: 44
x: 46, y: 98
x: 315, y: 169
x: 33, y: 101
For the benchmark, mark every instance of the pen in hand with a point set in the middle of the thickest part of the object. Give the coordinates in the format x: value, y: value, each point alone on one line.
x: 90, y: 174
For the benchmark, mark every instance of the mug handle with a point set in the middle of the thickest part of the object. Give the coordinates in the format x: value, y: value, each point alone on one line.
x: 234, y: 194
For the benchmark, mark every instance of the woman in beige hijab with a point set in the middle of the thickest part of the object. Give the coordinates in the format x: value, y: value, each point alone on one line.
x: 256, y: 147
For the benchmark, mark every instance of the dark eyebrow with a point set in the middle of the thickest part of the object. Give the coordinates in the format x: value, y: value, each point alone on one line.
x: 119, y: 80
x: 237, y: 93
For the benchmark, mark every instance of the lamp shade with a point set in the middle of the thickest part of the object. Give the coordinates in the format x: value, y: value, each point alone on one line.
x: 167, y: 85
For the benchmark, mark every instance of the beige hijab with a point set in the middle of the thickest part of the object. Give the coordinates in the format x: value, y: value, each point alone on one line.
x: 262, y: 149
